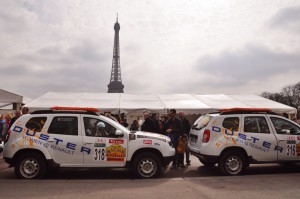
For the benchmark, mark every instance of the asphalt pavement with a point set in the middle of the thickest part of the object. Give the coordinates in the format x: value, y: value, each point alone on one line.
x: 194, y: 181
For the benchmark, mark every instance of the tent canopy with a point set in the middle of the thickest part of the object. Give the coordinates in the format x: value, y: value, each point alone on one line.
x: 160, y: 103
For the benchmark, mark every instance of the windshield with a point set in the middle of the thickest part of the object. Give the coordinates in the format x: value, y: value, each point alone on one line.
x: 115, y: 123
x: 201, y: 122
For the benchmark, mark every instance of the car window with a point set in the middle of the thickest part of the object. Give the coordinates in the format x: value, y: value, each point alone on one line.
x: 256, y: 124
x: 231, y: 123
x: 36, y: 123
x: 283, y: 126
x: 201, y: 122
x: 98, y: 128
x: 64, y: 125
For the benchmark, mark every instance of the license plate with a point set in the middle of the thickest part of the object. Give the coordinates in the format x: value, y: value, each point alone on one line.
x: 193, y: 139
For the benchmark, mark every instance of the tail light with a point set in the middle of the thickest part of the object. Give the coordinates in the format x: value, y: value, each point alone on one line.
x: 206, y: 136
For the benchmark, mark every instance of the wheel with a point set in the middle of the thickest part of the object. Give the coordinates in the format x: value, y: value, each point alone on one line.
x: 147, y: 165
x: 30, y: 166
x: 232, y: 163
x: 206, y: 163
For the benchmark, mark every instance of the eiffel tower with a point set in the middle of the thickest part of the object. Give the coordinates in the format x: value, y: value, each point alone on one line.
x: 115, y: 85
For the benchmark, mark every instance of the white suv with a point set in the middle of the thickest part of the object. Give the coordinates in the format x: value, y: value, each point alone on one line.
x: 57, y: 138
x: 236, y: 138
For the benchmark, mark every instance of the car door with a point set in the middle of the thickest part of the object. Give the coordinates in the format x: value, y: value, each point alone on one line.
x: 260, y: 140
x: 107, y: 149
x: 64, y: 139
x: 288, y: 135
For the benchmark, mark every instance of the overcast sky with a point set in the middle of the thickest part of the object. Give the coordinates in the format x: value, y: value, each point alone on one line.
x: 166, y: 46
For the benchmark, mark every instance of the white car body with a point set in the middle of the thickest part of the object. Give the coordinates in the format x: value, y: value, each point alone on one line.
x: 256, y: 138
x: 120, y: 148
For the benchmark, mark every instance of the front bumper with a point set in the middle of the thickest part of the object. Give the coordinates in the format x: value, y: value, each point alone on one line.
x: 167, y: 160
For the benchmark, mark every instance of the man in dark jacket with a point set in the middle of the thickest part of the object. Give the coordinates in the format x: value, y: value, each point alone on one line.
x: 148, y: 124
x: 186, y: 130
x: 155, y: 123
x: 173, y: 128
x: 17, y: 115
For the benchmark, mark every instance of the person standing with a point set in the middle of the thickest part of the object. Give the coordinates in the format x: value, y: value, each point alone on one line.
x: 174, y: 130
x: 5, y: 128
x: 134, y: 126
x: 148, y: 124
x: 1, y: 125
x: 155, y: 123
x: 17, y: 115
x: 186, y: 130
x: 25, y: 110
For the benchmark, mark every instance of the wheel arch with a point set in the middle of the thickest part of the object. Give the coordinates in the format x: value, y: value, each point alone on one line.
x: 143, y: 150
x: 239, y: 149
x: 27, y: 150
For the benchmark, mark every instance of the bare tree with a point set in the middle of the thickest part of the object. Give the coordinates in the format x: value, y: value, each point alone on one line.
x: 289, y: 95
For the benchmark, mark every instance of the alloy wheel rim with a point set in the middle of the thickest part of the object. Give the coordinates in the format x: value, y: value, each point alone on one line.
x: 147, y: 168
x: 233, y: 165
x: 29, y: 168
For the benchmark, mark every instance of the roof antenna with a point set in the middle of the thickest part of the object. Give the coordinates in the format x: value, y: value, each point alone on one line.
x: 117, y: 17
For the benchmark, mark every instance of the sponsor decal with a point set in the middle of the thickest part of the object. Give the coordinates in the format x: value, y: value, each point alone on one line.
x: 116, y: 141
x: 298, y: 149
x: 150, y: 137
x: 156, y: 144
x: 33, y: 137
x: 241, y: 138
x: 147, y: 141
x: 116, y: 153
x: 291, y: 141
x: 99, y: 140
x: 99, y: 145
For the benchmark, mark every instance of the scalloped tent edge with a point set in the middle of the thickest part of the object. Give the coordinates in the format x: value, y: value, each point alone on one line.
x: 159, y: 103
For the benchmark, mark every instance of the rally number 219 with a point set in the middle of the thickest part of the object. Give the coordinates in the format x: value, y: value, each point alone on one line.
x: 99, y: 154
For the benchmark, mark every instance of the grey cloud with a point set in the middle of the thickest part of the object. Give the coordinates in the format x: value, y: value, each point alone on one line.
x: 83, y: 67
x: 17, y: 24
x: 250, y: 64
x: 287, y: 18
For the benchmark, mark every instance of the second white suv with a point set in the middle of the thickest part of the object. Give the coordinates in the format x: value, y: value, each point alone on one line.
x: 72, y: 138
x: 236, y: 138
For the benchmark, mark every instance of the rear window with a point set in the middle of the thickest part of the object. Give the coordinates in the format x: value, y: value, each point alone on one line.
x: 201, y: 122
x: 36, y: 123
x: 64, y: 126
x: 231, y: 123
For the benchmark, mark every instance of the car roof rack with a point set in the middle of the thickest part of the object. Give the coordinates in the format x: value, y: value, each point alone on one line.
x: 246, y: 111
x: 68, y: 110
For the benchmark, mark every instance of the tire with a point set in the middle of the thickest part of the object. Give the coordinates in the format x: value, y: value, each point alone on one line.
x: 30, y: 166
x: 232, y: 163
x: 206, y: 163
x: 147, y: 165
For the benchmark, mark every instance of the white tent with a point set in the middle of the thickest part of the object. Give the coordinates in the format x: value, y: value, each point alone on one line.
x: 160, y: 103
x: 10, y: 101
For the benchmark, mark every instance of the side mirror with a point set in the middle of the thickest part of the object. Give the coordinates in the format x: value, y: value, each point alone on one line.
x: 284, y: 131
x: 88, y: 132
x: 119, y: 133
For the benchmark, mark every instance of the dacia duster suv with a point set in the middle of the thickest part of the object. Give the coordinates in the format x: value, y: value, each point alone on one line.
x: 74, y: 138
x: 236, y: 138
